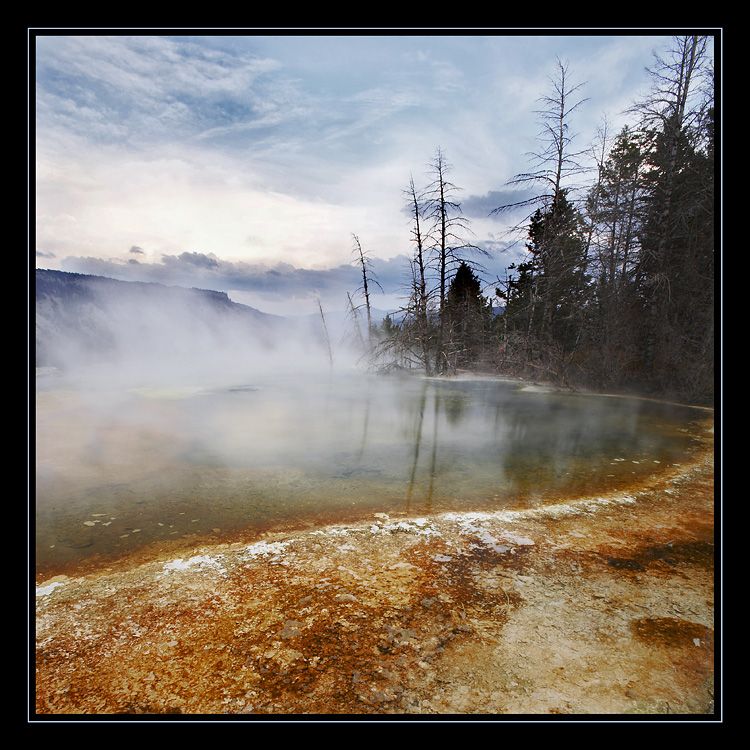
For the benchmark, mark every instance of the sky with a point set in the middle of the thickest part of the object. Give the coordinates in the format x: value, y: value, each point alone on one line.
x: 246, y: 161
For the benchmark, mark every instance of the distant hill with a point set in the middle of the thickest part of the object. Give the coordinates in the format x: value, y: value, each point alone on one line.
x: 83, y: 319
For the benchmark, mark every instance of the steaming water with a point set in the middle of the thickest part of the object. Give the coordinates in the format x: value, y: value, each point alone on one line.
x: 121, y: 469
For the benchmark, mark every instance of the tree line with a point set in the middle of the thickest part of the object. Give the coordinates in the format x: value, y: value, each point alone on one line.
x: 616, y: 287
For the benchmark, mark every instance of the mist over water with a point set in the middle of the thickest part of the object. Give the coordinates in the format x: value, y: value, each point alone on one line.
x: 127, y: 458
x: 167, y: 418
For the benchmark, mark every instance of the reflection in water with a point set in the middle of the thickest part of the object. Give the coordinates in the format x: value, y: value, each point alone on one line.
x: 118, y: 471
x: 429, y: 480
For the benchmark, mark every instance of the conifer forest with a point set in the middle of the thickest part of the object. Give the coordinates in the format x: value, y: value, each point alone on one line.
x: 616, y: 287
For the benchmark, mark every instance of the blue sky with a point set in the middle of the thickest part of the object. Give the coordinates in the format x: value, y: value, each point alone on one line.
x: 245, y: 163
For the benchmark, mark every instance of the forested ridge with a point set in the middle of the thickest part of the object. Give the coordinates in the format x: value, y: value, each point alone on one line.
x: 615, y: 291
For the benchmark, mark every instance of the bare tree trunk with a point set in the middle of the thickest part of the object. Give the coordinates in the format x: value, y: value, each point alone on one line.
x: 419, y: 280
x: 358, y: 250
x: 447, y: 220
x: 327, y: 337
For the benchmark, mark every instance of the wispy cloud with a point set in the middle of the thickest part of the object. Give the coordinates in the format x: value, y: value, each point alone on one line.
x: 136, y: 90
x: 265, y: 150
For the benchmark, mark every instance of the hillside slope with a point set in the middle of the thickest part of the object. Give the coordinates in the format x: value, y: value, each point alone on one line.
x: 82, y: 320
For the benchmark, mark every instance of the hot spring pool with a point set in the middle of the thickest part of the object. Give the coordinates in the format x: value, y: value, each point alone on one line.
x: 118, y: 470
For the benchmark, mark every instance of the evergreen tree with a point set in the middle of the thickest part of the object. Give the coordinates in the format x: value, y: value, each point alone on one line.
x: 548, y: 301
x: 467, y: 314
x: 558, y: 247
x: 674, y: 275
x: 541, y: 300
x: 616, y: 290
x: 614, y: 208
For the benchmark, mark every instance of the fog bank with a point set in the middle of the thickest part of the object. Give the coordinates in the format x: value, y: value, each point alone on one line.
x: 97, y: 329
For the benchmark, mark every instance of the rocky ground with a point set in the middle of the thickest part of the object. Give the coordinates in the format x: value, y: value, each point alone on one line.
x: 602, y: 606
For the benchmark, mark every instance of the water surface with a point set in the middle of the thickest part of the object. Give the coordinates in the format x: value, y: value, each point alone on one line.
x: 119, y: 469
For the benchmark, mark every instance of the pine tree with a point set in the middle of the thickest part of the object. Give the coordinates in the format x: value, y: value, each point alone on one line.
x: 557, y: 245
x: 548, y: 302
x: 467, y: 315
x: 614, y: 208
x: 541, y: 300
x: 674, y: 275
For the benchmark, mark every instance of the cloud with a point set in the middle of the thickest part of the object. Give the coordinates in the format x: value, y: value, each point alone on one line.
x: 272, y: 282
x: 245, y: 163
x: 194, y: 144
x: 200, y: 260
x: 278, y: 288
x: 482, y: 206
x: 141, y: 89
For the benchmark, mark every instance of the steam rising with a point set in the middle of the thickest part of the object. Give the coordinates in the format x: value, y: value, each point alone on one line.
x: 165, y: 416
x: 104, y: 332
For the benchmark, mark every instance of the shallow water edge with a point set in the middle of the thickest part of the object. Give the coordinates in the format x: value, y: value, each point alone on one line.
x: 118, y: 472
x: 603, y: 605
